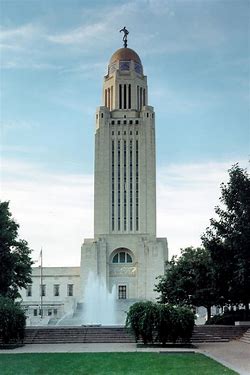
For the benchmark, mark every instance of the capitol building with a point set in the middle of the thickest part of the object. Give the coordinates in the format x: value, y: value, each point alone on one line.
x: 124, y: 252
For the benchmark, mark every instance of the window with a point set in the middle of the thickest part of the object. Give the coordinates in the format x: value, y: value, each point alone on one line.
x: 130, y: 122
x: 55, y: 312
x: 35, y: 312
x: 43, y: 290
x: 122, y: 291
x: 29, y: 291
x: 49, y: 312
x: 70, y: 290
x: 125, y: 122
x: 56, y: 290
x: 102, y: 115
x: 120, y: 96
x: 122, y: 257
x: 129, y: 96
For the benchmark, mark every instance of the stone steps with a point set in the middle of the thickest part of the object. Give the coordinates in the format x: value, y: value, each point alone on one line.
x: 214, y: 333
x: 55, y: 335
x: 246, y: 337
x: 77, y: 335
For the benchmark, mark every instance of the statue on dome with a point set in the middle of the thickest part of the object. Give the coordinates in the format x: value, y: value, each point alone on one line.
x: 125, y: 36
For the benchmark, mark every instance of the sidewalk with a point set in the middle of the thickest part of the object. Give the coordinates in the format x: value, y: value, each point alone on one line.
x: 234, y: 354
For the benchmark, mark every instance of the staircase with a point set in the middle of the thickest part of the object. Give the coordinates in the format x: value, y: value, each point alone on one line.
x: 118, y: 334
x: 246, y: 337
x: 215, y: 333
x: 61, y: 335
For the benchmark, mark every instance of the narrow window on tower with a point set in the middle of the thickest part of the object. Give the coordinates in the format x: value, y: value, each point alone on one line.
x: 119, y: 183
x: 137, y: 184
x: 124, y: 184
x: 113, y: 185
x: 120, y: 96
x: 106, y: 98
x: 144, y: 97
x: 125, y: 96
x: 111, y: 100
x: 129, y: 96
x: 131, y: 184
x: 138, y: 100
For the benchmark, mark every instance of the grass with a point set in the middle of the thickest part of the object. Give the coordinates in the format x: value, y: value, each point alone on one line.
x: 110, y: 364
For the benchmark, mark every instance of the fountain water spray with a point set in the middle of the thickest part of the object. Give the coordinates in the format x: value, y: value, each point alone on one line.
x: 99, y: 303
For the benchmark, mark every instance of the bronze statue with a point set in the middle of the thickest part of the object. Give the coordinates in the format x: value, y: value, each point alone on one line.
x: 125, y: 36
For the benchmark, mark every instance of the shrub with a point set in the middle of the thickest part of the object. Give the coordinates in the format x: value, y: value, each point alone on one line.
x: 141, y: 319
x: 12, y: 321
x: 157, y: 322
x: 164, y: 323
x: 186, y: 323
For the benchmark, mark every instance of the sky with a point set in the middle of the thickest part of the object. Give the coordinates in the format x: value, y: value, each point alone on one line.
x: 54, y: 54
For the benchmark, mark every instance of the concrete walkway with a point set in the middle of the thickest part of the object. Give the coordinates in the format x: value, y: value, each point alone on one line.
x: 234, y: 354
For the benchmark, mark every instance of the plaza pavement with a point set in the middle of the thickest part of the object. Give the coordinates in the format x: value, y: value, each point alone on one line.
x: 234, y: 354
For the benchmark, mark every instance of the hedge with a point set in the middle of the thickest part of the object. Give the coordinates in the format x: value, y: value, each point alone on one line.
x: 12, y: 321
x: 154, y: 322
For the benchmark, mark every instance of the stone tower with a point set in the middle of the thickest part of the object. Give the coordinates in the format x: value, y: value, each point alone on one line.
x: 125, y: 251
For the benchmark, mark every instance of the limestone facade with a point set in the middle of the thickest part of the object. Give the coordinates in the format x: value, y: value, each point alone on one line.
x: 124, y: 252
x: 61, y: 292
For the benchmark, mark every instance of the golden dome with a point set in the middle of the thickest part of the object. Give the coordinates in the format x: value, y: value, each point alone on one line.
x: 125, y: 54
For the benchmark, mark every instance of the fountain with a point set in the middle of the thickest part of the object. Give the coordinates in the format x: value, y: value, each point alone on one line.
x: 99, y: 303
x: 66, y: 316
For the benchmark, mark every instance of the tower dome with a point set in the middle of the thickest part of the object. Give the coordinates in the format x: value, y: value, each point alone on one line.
x: 125, y: 54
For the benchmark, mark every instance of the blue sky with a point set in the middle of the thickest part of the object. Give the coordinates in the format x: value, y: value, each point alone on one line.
x: 54, y: 55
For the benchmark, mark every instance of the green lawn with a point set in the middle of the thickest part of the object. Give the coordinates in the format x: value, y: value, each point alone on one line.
x: 110, y: 364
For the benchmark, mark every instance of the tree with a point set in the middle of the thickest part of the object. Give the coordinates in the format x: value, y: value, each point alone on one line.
x: 189, y: 280
x: 228, y: 239
x: 15, y: 258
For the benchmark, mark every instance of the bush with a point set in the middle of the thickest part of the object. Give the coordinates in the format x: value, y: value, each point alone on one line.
x: 12, y: 321
x: 157, y: 322
x: 141, y: 319
x: 229, y: 317
x: 186, y: 323
x: 164, y: 323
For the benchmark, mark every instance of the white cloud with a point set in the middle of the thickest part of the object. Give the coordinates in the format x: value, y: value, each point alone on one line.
x: 186, y: 197
x: 17, y: 34
x: 80, y: 35
x: 55, y: 211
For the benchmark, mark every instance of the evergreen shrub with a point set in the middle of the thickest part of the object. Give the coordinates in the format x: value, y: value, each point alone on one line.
x: 154, y: 322
x: 12, y: 321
